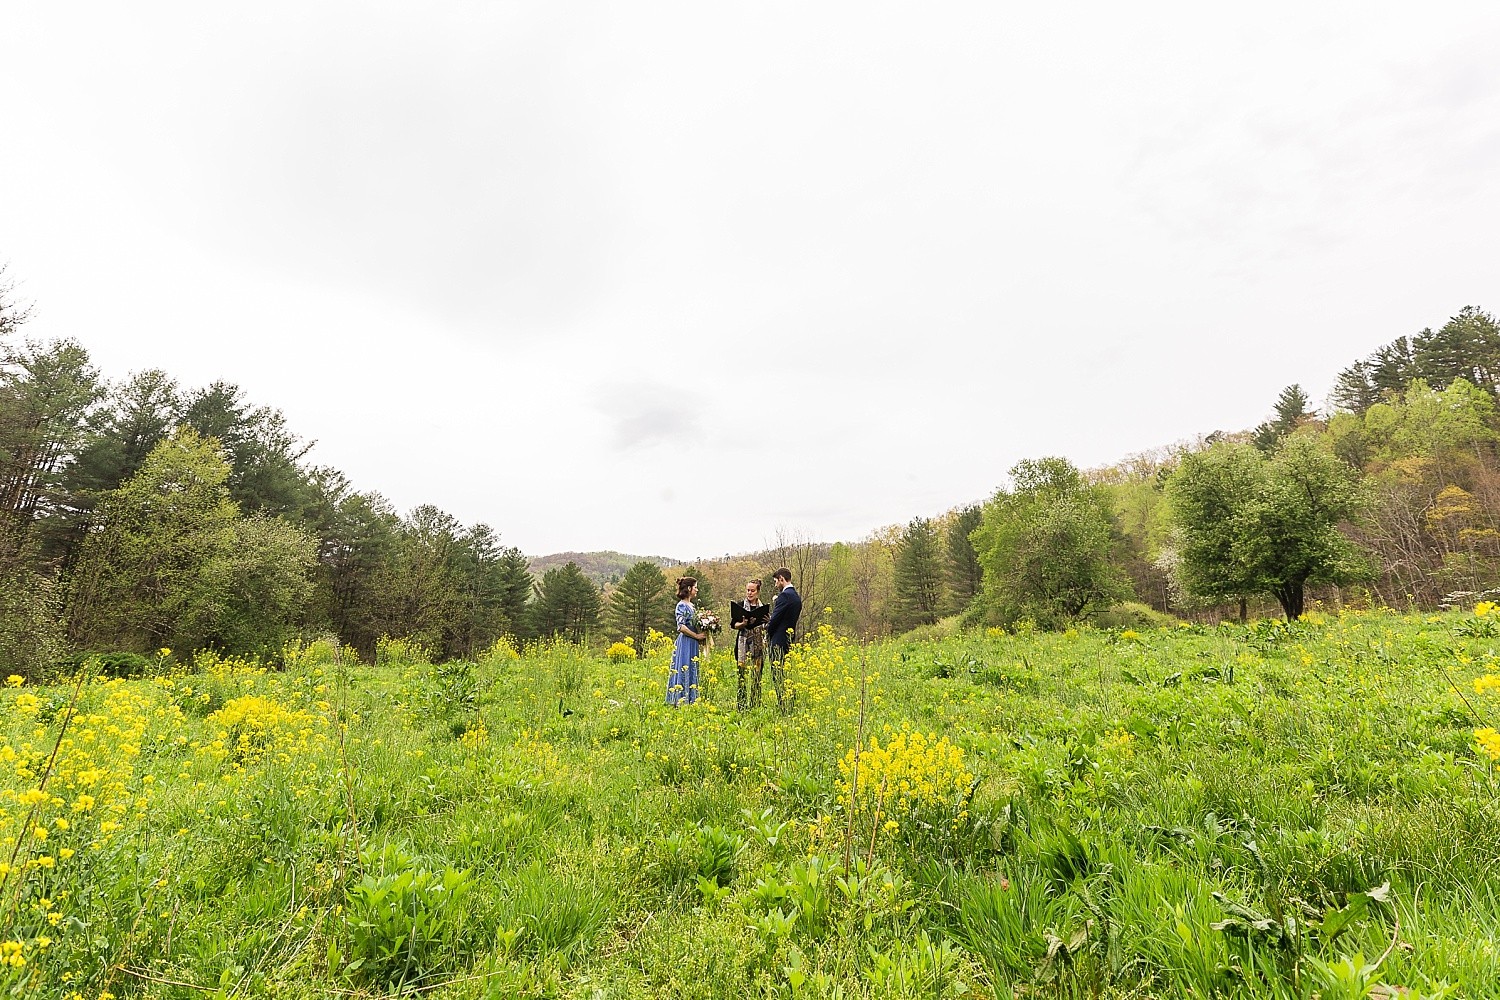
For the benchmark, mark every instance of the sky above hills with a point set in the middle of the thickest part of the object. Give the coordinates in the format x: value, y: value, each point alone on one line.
x: 678, y: 276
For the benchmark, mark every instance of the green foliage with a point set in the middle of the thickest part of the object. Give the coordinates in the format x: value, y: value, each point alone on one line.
x: 265, y: 581
x: 641, y: 601
x: 567, y: 605
x: 918, y: 578
x: 857, y: 581
x: 1251, y: 524
x: 1291, y: 412
x: 1466, y: 347
x: 1045, y: 546
x: 31, y: 633
x: 148, y: 577
x: 405, y: 922
x: 1131, y: 615
x: 965, y: 576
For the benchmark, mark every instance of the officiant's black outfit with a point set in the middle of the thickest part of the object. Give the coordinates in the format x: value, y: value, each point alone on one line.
x: 749, y: 620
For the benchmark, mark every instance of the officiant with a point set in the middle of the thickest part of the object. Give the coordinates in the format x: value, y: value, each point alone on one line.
x: 749, y: 619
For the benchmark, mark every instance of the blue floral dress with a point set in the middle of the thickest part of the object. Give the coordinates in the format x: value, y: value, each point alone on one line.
x: 682, y: 682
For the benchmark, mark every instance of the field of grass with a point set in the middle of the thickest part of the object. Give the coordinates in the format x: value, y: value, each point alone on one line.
x: 1281, y: 810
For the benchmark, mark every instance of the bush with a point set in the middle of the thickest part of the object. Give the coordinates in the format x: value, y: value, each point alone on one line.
x: 116, y: 664
x: 1131, y: 614
x: 943, y: 628
x: 406, y: 651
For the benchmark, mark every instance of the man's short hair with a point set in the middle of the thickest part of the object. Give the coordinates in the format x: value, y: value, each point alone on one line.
x: 782, y: 574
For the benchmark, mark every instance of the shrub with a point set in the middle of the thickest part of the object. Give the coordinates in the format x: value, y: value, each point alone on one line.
x: 406, y: 651
x: 1133, y: 615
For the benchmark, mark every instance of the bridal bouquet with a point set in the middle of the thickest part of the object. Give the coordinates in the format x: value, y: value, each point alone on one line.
x: 708, y: 623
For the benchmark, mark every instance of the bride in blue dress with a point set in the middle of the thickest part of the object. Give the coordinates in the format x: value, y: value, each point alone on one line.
x: 682, y: 682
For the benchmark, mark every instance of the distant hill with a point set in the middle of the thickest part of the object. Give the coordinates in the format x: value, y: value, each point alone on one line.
x: 601, y: 567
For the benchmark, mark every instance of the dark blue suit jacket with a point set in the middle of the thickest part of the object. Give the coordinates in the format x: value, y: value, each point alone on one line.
x: 784, y: 615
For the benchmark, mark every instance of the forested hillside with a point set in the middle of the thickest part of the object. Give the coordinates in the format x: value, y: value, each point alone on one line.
x: 603, y: 568
x: 138, y: 514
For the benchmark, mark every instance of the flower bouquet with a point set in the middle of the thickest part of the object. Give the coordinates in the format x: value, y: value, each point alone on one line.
x: 708, y: 623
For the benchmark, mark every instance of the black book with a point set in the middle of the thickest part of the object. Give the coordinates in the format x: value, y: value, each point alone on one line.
x: 755, y: 616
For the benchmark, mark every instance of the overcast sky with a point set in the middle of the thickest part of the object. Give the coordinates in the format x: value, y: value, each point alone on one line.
x: 666, y: 278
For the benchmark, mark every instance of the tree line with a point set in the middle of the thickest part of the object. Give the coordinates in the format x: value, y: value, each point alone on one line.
x: 1389, y: 496
x: 139, y: 514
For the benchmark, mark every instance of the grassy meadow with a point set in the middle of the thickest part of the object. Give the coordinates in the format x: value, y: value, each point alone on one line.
x: 1279, y: 810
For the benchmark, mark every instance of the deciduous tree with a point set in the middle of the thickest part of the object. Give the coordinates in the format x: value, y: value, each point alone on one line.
x: 1252, y: 524
x: 1045, y: 546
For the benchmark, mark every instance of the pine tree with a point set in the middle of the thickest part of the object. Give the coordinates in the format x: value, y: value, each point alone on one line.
x: 1291, y: 412
x: 567, y: 604
x: 963, y: 570
x: 919, y: 575
x: 641, y: 601
x: 515, y: 588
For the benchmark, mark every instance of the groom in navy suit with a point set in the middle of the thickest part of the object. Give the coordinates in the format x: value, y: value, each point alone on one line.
x: 784, y: 615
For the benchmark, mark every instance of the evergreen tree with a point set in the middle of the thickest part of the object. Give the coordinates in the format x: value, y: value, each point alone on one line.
x: 422, y: 588
x: 918, y: 575
x: 1355, y: 388
x: 46, y: 393
x: 480, y: 580
x: 515, y: 585
x: 358, y: 541
x: 567, y: 604
x: 965, y: 576
x: 1291, y: 412
x: 642, y: 600
x: 134, y: 419
x: 1466, y: 347
x: 705, y: 599
x: 263, y: 453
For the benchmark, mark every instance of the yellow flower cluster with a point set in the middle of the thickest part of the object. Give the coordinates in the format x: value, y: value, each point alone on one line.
x: 1487, y: 683
x: 1484, y: 608
x: 1488, y: 742
x: 401, y: 652
x: 621, y: 652
x: 320, y: 652
x: 501, y: 649
x: 912, y: 772
x: 252, y: 724
x: 475, y: 737
x: 658, y: 644
x: 824, y: 668
x: 540, y: 756
x: 1120, y: 742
